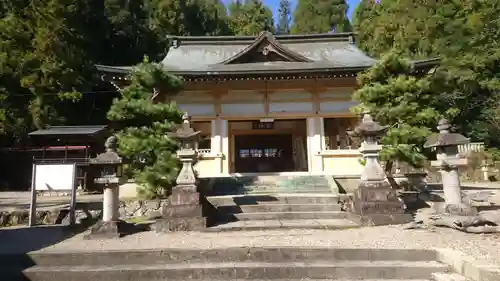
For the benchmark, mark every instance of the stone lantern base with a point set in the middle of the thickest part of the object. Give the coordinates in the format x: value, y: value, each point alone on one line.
x: 106, y: 230
x: 376, y: 203
x: 188, y: 210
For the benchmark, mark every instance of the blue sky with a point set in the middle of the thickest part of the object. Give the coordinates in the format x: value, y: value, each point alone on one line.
x: 273, y: 4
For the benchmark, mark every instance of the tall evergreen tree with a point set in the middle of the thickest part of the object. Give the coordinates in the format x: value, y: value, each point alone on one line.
x: 284, y: 17
x: 363, y: 11
x: 250, y: 17
x: 465, y: 34
x: 320, y: 16
x: 188, y: 18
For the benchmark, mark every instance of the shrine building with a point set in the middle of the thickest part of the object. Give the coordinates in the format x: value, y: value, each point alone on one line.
x: 269, y: 103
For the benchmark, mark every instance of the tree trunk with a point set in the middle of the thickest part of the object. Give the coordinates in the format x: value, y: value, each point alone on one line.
x: 388, y: 173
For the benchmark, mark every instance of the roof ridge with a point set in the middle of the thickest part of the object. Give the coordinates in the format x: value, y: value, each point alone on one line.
x: 231, y: 39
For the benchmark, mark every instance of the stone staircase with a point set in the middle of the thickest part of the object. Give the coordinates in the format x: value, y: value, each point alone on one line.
x: 230, y: 264
x: 271, y: 202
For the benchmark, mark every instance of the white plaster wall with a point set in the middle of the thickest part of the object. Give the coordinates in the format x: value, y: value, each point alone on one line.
x: 242, y: 109
x: 198, y: 109
x: 337, y: 93
x: 336, y: 106
x: 291, y: 107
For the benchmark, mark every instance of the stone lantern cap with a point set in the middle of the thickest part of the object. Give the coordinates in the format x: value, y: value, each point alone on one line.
x: 185, y: 132
x: 368, y: 127
x: 110, y: 156
x: 445, y: 137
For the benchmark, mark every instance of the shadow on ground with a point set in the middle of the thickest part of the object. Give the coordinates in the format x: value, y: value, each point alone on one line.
x: 18, y: 242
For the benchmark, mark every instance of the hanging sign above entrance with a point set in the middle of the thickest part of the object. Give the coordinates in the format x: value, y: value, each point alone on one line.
x: 262, y: 125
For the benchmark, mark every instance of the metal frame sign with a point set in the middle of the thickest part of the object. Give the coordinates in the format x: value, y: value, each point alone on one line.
x: 53, y: 177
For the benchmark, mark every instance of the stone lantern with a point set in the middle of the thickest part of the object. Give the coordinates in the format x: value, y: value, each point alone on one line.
x: 187, y: 209
x: 448, y: 161
x: 375, y: 202
x: 109, y: 163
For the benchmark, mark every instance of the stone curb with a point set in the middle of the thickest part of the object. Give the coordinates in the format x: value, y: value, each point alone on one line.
x: 467, y: 266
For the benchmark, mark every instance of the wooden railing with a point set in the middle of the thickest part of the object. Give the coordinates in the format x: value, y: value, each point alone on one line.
x: 471, y: 147
x: 205, y: 151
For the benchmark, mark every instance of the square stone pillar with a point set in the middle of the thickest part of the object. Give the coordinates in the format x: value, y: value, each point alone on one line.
x: 315, y: 144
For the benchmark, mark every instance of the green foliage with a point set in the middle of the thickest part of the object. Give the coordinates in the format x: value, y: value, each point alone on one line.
x: 404, y: 102
x: 145, y: 124
x: 284, y: 17
x: 250, y: 17
x: 465, y: 34
x: 188, y: 18
x: 318, y: 16
x: 43, y: 62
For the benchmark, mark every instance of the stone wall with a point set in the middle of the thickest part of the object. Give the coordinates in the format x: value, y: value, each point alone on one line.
x: 148, y: 209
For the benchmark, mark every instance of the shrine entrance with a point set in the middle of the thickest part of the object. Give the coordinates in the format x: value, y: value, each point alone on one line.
x: 268, y: 148
x: 264, y: 153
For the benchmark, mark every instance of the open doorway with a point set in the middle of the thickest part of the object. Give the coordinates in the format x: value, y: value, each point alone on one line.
x: 273, y: 148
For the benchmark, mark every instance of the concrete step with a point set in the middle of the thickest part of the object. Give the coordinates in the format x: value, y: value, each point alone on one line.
x: 279, y: 198
x: 448, y: 276
x: 232, y: 270
x: 291, y: 215
x: 250, y: 225
x: 278, y: 207
x: 273, y: 183
x: 235, y: 254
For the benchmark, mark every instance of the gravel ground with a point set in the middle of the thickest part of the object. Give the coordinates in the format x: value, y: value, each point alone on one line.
x: 484, y: 248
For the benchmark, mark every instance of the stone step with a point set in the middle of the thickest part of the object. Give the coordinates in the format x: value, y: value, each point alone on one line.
x: 271, y: 207
x: 448, y: 276
x: 250, y: 225
x: 280, y: 198
x: 273, y: 183
x: 232, y: 270
x: 235, y: 254
x: 291, y: 215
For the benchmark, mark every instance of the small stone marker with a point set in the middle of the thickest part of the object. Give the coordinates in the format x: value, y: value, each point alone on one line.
x: 187, y: 208
x: 375, y: 202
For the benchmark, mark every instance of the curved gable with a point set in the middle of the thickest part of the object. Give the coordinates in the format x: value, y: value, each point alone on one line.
x: 265, y: 48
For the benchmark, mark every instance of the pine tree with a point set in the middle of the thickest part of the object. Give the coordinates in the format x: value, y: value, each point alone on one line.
x: 284, y: 17
x: 145, y: 124
x: 318, y: 16
x: 406, y: 103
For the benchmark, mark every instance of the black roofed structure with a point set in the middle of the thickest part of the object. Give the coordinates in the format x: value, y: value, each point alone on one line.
x: 269, y: 103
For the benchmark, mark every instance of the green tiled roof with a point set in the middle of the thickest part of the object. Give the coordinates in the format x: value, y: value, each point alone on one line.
x: 213, y: 55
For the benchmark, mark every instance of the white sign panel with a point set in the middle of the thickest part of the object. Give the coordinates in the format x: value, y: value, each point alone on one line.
x: 54, y: 177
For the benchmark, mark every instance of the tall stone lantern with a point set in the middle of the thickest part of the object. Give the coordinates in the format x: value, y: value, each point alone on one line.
x: 374, y: 202
x: 187, y: 209
x: 448, y: 161
x: 109, y: 163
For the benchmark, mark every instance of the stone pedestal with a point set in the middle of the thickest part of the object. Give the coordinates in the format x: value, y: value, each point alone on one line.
x: 110, y: 226
x: 376, y: 203
x: 188, y: 210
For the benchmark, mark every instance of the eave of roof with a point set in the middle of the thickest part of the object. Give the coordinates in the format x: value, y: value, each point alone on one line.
x: 267, y: 68
x: 69, y: 130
